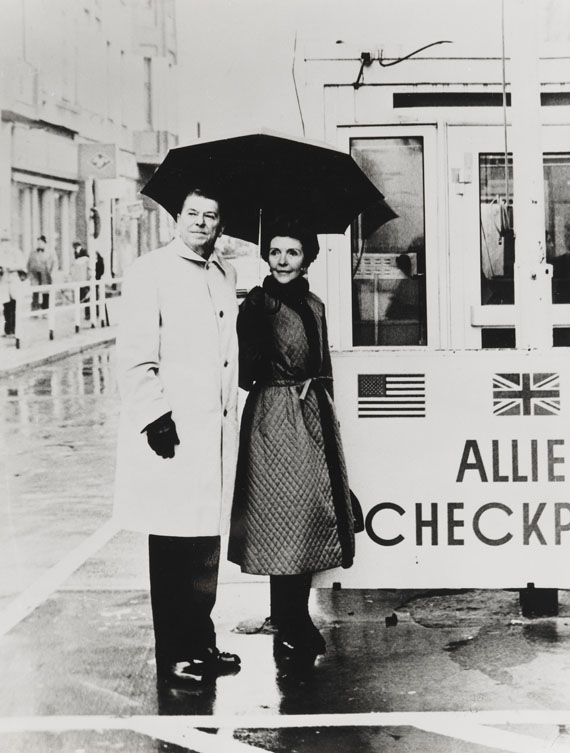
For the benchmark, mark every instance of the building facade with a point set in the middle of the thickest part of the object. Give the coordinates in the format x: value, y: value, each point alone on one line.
x: 88, y: 109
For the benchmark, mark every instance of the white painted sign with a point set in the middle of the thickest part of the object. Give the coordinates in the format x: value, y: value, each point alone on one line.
x: 97, y: 161
x: 461, y: 463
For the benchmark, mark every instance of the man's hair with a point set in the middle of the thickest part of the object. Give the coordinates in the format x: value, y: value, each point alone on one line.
x: 291, y: 228
x: 207, y: 192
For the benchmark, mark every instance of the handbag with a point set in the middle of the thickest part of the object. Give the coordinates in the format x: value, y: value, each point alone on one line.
x: 356, y: 512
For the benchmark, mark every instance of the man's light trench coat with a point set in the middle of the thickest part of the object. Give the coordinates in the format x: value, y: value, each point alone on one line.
x: 177, y: 351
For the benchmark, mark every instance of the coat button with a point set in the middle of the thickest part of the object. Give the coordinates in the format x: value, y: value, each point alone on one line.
x: 225, y: 411
x: 221, y: 314
x: 226, y: 363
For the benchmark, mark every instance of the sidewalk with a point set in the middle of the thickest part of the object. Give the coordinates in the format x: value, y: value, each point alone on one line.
x: 40, y: 350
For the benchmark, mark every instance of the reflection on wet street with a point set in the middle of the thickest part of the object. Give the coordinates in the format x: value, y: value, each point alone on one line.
x: 76, y: 643
x: 58, y: 425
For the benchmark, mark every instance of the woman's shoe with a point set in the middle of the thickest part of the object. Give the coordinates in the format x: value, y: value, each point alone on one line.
x: 303, y: 640
x: 315, y: 639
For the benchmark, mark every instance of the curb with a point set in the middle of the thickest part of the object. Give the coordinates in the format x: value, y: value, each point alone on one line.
x: 67, y: 349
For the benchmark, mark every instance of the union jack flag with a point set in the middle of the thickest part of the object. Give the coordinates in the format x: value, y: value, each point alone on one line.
x: 526, y: 394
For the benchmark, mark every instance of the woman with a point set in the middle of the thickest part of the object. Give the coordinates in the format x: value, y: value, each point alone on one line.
x: 292, y: 513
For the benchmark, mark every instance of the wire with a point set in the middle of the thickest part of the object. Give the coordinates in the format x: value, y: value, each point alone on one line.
x: 415, y: 52
x: 295, y: 82
x: 507, y: 186
x: 358, y: 258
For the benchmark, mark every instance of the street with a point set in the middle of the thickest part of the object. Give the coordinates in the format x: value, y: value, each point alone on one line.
x: 410, y: 671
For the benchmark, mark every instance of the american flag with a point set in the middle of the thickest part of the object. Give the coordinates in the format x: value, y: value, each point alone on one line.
x: 526, y: 394
x: 391, y: 395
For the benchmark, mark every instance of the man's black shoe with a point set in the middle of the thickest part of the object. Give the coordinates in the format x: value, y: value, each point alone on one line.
x: 221, y: 662
x: 180, y: 673
x: 200, y: 669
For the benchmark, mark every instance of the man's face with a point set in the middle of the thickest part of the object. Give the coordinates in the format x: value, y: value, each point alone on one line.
x: 199, y: 224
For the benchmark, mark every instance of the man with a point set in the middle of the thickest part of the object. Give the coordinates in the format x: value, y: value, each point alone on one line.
x: 41, y: 264
x: 177, y: 372
x: 12, y: 274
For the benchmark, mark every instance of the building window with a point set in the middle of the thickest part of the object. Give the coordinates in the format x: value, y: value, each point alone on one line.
x: 388, y: 262
x: 147, y: 82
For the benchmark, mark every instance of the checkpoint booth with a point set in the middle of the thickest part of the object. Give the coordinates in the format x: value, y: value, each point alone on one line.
x: 450, y: 325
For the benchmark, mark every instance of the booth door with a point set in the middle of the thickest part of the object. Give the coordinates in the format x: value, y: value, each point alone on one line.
x: 388, y: 280
x: 482, y: 247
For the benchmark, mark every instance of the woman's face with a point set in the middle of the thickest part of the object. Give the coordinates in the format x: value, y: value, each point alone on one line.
x: 285, y: 258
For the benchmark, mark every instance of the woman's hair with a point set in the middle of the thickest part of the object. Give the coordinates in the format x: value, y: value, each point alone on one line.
x: 289, y: 228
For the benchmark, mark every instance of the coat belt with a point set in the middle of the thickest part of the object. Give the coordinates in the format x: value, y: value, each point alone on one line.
x: 303, y: 383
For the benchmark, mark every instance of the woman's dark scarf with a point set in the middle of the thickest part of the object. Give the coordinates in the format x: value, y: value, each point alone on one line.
x: 290, y: 293
x: 294, y: 294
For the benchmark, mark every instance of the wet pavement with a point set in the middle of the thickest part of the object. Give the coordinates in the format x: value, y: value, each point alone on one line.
x: 410, y: 671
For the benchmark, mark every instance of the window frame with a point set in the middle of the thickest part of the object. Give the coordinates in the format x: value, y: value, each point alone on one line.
x: 339, y: 261
x: 466, y: 143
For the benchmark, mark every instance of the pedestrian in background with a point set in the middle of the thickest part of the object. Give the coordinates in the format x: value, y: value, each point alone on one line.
x: 99, y: 272
x: 80, y: 271
x: 41, y: 264
x: 292, y: 514
x: 12, y: 275
x: 99, y: 266
x: 177, y: 364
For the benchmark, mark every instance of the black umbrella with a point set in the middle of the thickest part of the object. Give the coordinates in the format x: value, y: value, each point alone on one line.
x: 270, y: 174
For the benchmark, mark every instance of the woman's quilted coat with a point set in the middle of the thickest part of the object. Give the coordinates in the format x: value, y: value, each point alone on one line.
x: 291, y: 511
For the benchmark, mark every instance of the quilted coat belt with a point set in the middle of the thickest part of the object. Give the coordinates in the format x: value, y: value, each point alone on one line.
x: 303, y: 383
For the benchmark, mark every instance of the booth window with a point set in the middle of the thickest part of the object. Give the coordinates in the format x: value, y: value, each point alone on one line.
x: 388, y: 262
x: 497, y: 244
x: 557, y: 211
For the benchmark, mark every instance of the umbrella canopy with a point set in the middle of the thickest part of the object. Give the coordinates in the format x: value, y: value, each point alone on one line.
x: 272, y: 174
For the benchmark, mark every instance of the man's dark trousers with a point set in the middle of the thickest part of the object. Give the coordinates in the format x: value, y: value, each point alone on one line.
x: 183, y: 584
x: 9, y: 317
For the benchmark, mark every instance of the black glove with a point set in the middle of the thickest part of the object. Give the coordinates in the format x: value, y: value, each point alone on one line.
x: 162, y: 437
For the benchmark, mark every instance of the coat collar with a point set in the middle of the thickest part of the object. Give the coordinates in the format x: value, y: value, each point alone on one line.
x: 179, y: 247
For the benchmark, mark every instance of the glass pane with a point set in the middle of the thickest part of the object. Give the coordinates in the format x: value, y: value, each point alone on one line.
x: 557, y: 211
x: 497, y: 239
x: 498, y: 337
x: 388, y: 264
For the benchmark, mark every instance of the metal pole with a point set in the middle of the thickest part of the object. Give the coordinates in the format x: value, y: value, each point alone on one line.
x: 504, y: 89
x: 532, y: 274
x: 91, y: 203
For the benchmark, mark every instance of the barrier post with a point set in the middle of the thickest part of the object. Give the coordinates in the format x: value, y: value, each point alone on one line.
x: 77, y: 307
x: 51, y: 312
x: 91, y: 306
x: 101, y: 303
x: 18, y: 318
